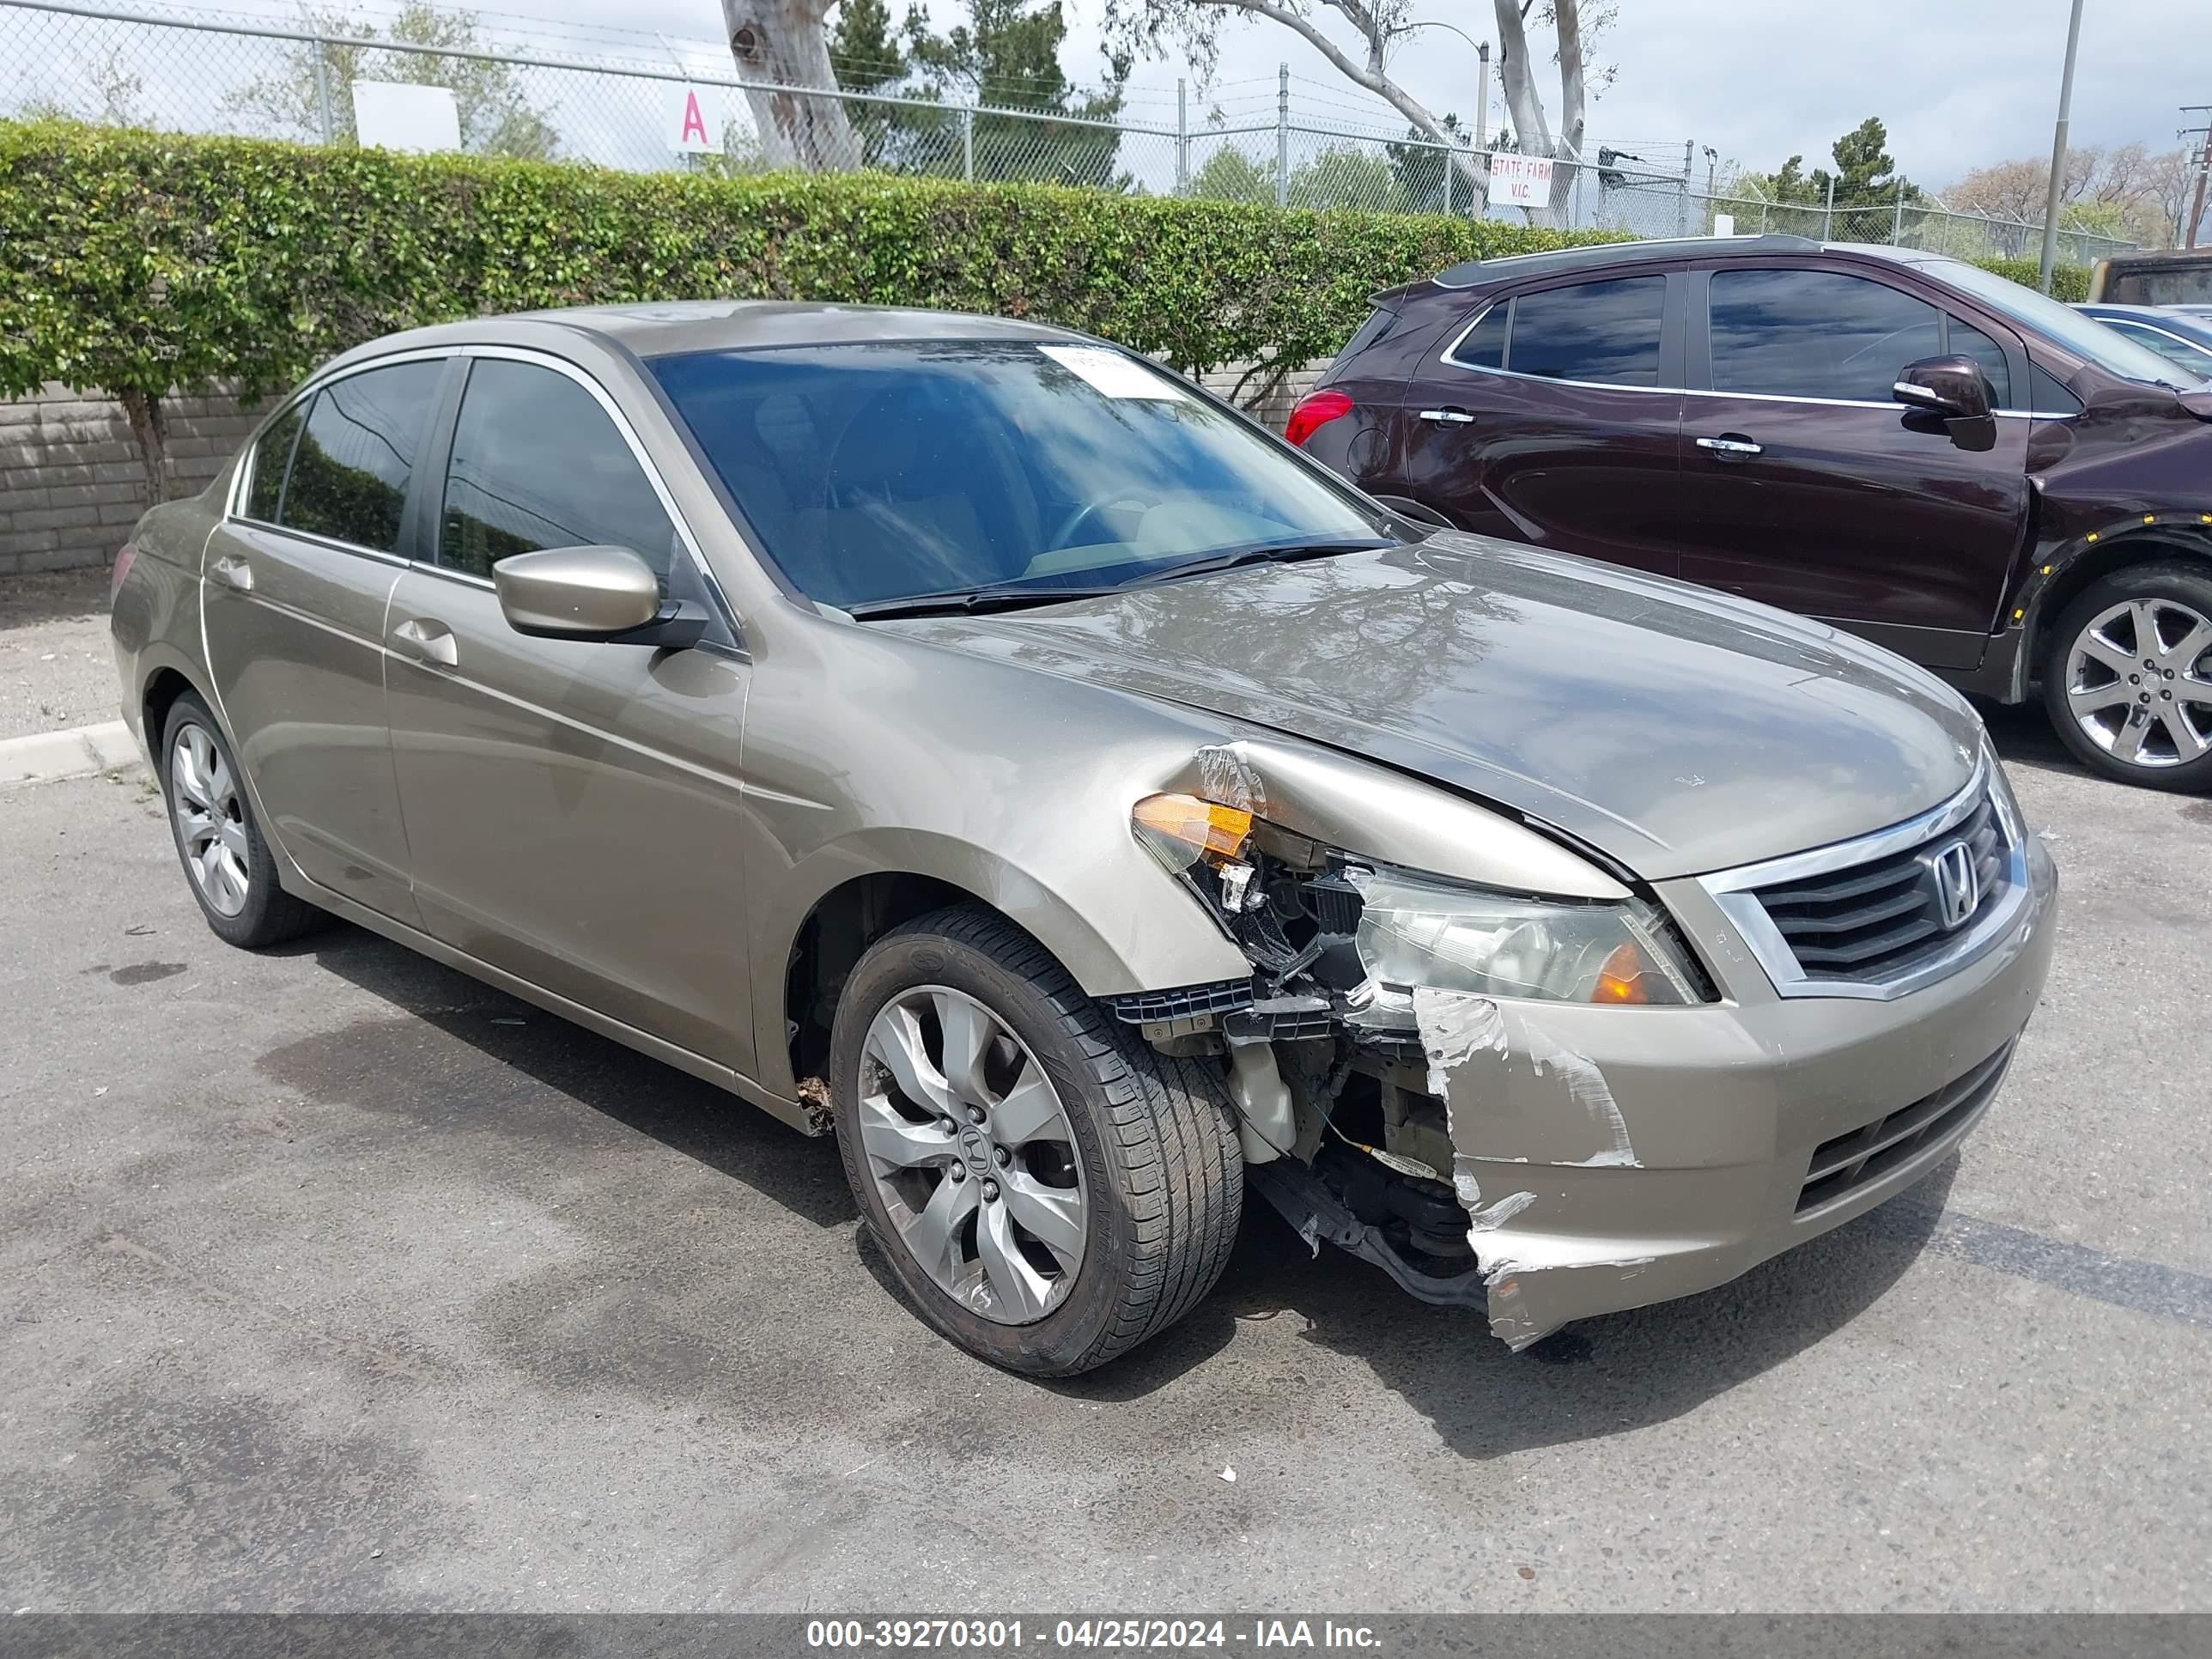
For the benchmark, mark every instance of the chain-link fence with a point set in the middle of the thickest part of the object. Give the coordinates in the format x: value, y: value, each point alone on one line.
x: 260, y: 76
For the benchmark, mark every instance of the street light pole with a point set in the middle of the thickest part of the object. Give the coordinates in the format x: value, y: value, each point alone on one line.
x: 2058, y: 153
x: 1482, y: 90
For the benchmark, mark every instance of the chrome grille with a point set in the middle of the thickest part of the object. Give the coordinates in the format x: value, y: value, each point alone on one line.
x: 1884, y: 913
x: 1871, y: 921
x: 1846, y: 1163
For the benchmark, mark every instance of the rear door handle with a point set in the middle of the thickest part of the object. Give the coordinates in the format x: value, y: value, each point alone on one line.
x: 1449, y: 417
x: 1729, y: 445
x: 233, y: 571
x: 428, y: 638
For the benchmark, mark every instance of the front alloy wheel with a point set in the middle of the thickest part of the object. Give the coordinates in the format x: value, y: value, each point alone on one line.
x: 1045, y: 1188
x: 971, y: 1154
x: 2130, y: 685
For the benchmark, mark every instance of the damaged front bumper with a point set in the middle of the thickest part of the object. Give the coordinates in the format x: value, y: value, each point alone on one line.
x: 1609, y: 1158
x: 1604, y: 1158
x: 1549, y: 1158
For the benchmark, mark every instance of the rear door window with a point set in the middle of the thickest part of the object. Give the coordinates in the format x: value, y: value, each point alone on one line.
x: 353, y: 461
x: 1484, y: 346
x: 538, y: 463
x: 1605, y: 332
x: 1816, y: 334
x: 271, y: 456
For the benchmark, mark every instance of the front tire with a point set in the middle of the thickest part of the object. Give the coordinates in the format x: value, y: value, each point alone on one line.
x: 2127, y: 680
x: 228, y: 863
x: 1048, y: 1189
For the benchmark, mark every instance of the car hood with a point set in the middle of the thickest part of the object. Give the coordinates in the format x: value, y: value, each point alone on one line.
x: 1677, y: 730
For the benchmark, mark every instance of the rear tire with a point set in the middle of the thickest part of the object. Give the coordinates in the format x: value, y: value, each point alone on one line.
x: 1138, y: 1158
x: 227, y: 861
x: 2128, y: 678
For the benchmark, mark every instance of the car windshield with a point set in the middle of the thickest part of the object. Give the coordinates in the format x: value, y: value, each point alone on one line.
x: 879, y: 472
x: 2083, y: 336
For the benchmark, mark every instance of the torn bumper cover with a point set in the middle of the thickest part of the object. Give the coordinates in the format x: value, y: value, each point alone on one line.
x: 1608, y: 1158
x: 1510, y: 1077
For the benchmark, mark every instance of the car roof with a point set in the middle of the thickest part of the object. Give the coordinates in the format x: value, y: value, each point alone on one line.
x: 664, y: 328
x: 1600, y: 256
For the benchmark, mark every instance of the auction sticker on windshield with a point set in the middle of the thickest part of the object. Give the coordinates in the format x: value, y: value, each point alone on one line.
x: 1111, y: 372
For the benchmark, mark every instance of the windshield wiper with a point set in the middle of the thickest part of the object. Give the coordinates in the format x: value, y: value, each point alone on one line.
x: 1264, y: 553
x: 969, y: 601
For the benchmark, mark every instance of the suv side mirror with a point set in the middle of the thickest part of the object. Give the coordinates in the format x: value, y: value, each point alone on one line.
x: 1950, y: 386
x: 605, y: 594
x: 1954, y: 389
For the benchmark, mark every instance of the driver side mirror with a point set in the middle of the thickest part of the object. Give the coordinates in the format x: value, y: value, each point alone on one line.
x: 1954, y: 389
x: 605, y: 594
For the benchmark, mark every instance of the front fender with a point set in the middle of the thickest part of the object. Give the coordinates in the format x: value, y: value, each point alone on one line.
x: 1113, y: 918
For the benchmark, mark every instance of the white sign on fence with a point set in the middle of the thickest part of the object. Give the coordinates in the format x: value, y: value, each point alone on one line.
x: 1520, y: 180
x: 687, y: 121
x: 400, y: 115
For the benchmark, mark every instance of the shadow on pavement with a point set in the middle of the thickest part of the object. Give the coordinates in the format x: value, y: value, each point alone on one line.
x: 2023, y: 736
x: 1601, y: 1377
x: 1595, y: 1378
x: 357, y: 1064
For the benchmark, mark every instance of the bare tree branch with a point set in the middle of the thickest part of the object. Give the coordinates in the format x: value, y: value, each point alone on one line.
x: 1360, y: 75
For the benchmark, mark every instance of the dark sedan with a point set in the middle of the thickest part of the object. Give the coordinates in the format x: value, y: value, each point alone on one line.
x: 1986, y: 481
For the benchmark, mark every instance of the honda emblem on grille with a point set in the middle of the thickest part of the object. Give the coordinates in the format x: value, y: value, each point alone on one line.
x: 1958, y: 885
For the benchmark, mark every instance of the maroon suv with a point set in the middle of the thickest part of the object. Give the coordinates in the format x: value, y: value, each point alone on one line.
x: 1984, y: 480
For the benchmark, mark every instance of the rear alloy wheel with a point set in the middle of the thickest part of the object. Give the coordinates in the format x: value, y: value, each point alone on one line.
x: 2128, y: 681
x: 232, y: 872
x: 1046, y: 1188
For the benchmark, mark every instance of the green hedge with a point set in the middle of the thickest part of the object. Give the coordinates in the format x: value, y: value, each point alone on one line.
x: 132, y: 259
x: 2068, y: 282
x: 137, y: 262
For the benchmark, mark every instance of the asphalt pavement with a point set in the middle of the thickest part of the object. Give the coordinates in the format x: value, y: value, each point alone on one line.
x: 330, y: 1279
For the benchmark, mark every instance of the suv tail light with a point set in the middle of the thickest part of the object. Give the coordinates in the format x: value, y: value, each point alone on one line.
x: 1315, y: 410
x: 124, y: 555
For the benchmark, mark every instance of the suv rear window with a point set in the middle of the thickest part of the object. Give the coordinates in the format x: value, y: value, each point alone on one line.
x: 1605, y: 332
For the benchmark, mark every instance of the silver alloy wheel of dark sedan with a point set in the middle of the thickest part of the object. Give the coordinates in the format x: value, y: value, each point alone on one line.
x: 2135, y: 684
x: 972, y: 1154
x: 210, y: 820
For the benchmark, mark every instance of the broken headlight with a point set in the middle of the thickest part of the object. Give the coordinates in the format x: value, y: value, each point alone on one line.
x: 1311, y: 916
x: 1449, y: 938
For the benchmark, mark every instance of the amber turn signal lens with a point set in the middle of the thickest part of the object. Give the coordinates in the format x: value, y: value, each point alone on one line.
x: 1202, y: 829
x: 1620, y: 979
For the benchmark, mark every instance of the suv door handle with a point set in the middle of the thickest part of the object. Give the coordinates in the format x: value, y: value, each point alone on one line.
x: 233, y: 571
x: 1449, y: 417
x: 1729, y: 445
x: 429, y: 639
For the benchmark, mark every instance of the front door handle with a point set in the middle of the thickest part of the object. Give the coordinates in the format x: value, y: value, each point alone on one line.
x: 1448, y: 417
x: 428, y: 638
x: 1730, y: 445
x: 233, y: 571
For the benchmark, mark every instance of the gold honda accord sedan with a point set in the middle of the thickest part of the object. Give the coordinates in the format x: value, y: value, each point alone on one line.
x: 965, y: 737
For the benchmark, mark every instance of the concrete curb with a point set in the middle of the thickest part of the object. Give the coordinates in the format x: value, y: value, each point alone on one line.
x: 44, y: 755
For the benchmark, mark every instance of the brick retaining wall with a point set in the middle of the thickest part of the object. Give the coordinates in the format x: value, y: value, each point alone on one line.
x: 71, y: 483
